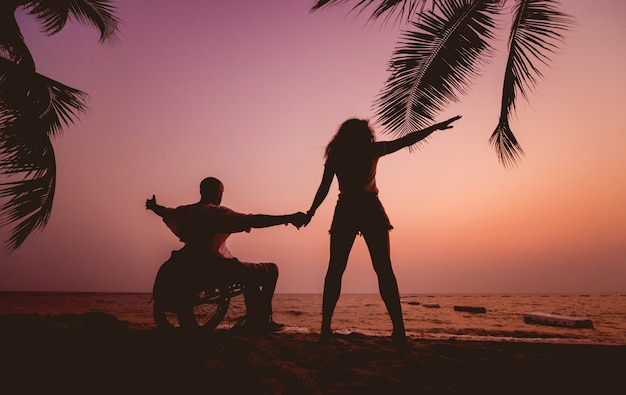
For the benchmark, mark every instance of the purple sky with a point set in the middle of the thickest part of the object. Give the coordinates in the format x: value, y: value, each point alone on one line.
x: 251, y: 92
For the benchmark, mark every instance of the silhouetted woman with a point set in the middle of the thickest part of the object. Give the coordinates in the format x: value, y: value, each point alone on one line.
x: 352, y: 156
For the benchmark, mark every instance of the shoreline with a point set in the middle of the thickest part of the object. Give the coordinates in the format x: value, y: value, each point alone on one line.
x: 97, y: 319
x: 96, y: 353
x: 102, y: 319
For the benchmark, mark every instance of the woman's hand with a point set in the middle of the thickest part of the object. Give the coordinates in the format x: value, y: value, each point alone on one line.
x: 445, y: 124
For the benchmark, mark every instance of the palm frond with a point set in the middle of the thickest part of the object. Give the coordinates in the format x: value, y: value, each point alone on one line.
x: 434, y: 63
x: 35, y: 95
x: 30, y: 207
x: 505, y: 144
x: 12, y: 44
x: 403, y: 9
x: 28, y: 201
x: 66, y: 103
x: 33, y: 108
x: 99, y: 13
x: 536, y: 32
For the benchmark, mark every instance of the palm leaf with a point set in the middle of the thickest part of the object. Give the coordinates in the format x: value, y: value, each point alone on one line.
x: 536, y: 32
x: 33, y: 94
x: 66, y: 104
x: 54, y: 15
x: 33, y: 108
x: 12, y: 44
x: 404, y: 9
x: 434, y: 63
x: 29, y: 200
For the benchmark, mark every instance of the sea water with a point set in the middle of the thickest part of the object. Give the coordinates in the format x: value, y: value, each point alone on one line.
x: 366, y: 314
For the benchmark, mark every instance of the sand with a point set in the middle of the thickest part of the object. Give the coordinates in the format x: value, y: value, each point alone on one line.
x: 96, y: 353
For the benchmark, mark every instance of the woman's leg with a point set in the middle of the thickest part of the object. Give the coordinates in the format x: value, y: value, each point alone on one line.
x: 379, y: 248
x: 340, y: 246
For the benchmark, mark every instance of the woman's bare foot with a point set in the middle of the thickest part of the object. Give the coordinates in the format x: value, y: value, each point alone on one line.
x: 325, y: 336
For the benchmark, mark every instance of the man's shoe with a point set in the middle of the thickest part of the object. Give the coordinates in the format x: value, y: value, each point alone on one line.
x: 268, y: 327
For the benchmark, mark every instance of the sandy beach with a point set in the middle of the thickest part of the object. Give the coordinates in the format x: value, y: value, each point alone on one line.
x: 96, y: 353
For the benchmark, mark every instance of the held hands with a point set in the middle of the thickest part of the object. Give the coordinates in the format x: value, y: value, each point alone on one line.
x: 305, y: 218
x: 445, y: 124
x: 309, y: 216
x: 299, y: 219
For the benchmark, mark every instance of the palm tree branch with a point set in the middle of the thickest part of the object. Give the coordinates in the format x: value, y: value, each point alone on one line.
x: 537, y: 31
x: 54, y: 103
x: 66, y: 104
x: 33, y: 108
x: 99, y: 13
x: 434, y: 63
x: 26, y: 202
x: 403, y: 9
x: 12, y: 44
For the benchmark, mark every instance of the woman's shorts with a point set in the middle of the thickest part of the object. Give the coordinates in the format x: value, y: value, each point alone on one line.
x: 356, y: 212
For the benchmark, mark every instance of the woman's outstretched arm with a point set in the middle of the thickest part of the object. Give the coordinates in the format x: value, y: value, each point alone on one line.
x: 322, y: 192
x: 414, y: 137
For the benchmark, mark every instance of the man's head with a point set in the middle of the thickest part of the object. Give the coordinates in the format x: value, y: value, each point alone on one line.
x: 211, y: 190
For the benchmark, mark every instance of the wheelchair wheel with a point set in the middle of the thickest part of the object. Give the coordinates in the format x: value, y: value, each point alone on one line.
x: 206, y: 311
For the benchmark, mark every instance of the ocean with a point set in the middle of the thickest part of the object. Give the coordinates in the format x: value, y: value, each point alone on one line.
x: 426, y: 316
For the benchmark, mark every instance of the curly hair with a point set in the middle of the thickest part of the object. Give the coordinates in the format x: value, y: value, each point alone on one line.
x: 352, y: 134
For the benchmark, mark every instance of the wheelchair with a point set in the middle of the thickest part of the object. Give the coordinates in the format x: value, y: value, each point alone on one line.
x: 188, y: 293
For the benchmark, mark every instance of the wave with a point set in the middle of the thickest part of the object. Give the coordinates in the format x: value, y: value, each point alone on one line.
x: 468, y: 335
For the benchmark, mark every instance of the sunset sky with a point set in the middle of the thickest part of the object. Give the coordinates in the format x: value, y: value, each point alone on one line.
x: 251, y: 92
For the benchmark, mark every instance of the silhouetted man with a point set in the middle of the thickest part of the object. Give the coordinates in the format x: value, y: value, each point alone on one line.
x: 204, y: 228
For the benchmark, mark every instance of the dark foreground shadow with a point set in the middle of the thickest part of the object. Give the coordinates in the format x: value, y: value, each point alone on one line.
x: 97, y: 354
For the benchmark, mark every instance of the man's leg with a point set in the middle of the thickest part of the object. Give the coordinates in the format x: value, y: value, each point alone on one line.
x: 260, y: 282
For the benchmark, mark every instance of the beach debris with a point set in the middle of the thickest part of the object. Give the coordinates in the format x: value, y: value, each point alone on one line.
x: 431, y: 305
x: 557, y: 320
x: 470, y: 309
